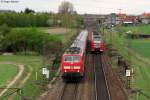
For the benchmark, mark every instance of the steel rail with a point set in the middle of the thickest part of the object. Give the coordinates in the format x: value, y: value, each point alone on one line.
x: 99, y: 64
x: 95, y: 79
x: 62, y: 94
x: 106, y: 81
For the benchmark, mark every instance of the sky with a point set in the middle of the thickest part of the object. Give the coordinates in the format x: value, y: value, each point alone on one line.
x: 81, y: 6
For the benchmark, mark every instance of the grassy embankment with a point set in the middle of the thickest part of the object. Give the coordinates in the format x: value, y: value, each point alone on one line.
x: 33, y: 88
x: 138, y: 53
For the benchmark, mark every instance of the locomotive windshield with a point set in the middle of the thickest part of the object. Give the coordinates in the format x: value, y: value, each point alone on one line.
x: 72, y: 58
x: 97, y: 38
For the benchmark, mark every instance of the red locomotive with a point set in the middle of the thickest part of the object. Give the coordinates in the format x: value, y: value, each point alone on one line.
x: 96, y: 42
x: 72, y: 61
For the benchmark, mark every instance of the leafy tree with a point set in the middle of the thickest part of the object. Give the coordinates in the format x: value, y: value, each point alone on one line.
x: 28, y: 40
x: 4, y: 29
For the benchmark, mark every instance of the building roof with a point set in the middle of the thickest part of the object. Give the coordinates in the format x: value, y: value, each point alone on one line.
x: 145, y: 15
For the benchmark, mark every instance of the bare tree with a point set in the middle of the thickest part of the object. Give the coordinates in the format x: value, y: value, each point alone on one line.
x: 66, y: 7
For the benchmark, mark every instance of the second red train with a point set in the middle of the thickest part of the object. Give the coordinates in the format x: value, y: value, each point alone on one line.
x: 96, y: 43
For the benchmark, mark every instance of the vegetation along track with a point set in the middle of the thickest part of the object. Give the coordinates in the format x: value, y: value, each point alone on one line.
x: 69, y: 91
x: 101, y: 87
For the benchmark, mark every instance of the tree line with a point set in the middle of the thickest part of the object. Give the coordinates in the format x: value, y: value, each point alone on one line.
x: 13, y: 19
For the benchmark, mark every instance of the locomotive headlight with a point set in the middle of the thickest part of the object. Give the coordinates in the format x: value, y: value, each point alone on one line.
x: 66, y: 67
x: 76, y: 67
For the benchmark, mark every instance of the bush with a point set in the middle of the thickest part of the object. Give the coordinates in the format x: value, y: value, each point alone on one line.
x: 24, y: 40
x: 4, y: 29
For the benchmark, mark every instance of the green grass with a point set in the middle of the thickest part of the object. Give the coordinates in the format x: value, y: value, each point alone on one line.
x: 23, y: 28
x: 63, y: 37
x: 43, y: 29
x: 7, y: 72
x: 36, y: 63
x: 141, y: 46
x: 141, y: 29
x: 142, y: 76
x: 140, y: 63
x: 52, y: 37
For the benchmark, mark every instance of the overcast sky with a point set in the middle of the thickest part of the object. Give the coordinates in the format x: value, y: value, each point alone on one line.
x: 81, y: 6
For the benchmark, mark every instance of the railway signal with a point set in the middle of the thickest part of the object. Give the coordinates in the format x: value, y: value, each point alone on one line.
x: 45, y: 71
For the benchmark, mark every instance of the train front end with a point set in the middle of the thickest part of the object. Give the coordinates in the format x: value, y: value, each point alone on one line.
x: 97, y: 44
x: 72, y: 66
x: 72, y: 61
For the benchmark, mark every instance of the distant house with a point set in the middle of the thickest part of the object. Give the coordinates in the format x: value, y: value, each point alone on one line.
x: 120, y: 18
x: 126, y: 19
x: 93, y: 17
x: 130, y: 20
x: 145, y: 18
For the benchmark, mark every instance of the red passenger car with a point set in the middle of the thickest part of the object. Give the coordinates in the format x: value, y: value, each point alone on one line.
x: 72, y: 61
x: 96, y: 42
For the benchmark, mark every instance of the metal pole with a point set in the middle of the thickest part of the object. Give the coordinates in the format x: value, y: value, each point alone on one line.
x: 111, y: 42
x: 20, y: 93
x: 137, y: 95
x: 36, y: 76
x: 129, y: 58
x: 129, y: 82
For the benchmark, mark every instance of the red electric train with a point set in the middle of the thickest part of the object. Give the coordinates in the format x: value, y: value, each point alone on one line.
x: 96, y: 42
x: 72, y: 61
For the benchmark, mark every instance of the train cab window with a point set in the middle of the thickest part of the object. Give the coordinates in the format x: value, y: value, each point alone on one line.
x: 72, y: 58
x: 97, y: 38
x: 68, y: 58
x: 76, y: 58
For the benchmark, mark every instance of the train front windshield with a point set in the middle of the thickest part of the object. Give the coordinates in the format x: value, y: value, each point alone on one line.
x: 96, y: 38
x: 72, y: 58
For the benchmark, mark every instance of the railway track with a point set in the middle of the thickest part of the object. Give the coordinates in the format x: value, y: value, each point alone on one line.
x: 101, y: 87
x: 123, y: 95
x: 69, y: 91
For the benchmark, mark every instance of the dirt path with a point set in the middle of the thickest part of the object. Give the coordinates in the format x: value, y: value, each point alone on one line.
x: 57, y: 30
x: 22, y: 82
x: 27, y: 76
x: 21, y: 69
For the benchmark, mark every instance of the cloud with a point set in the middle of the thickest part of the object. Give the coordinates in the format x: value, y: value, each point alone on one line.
x: 83, y: 6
